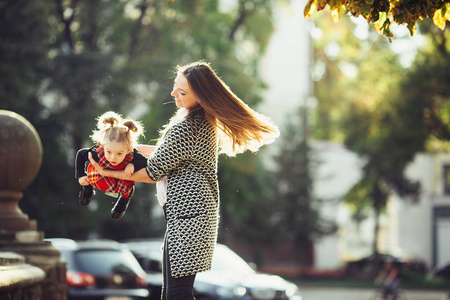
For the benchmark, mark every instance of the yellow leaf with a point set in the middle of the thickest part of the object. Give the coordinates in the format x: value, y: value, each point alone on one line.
x: 378, y: 25
x: 412, y: 28
x: 310, y: 8
x: 335, y: 14
x: 439, y: 20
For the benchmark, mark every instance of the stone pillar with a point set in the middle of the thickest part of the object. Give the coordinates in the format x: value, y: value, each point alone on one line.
x: 20, y: 160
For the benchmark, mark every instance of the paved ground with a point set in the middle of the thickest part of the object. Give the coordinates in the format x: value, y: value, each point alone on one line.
x: 315, y: 293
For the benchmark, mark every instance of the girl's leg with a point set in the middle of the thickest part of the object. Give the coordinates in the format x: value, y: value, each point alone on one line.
x: 86, y: 191
x: 121, y: 205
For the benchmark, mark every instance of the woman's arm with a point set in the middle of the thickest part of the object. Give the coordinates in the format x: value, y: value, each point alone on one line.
x: 146, y: 150
x: 140, y: 175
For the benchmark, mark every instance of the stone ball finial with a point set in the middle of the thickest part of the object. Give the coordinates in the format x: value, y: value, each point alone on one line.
x: 20, y: 160
x: 20, y: 152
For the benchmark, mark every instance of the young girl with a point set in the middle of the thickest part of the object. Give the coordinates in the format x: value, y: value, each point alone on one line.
x: 114, y: 149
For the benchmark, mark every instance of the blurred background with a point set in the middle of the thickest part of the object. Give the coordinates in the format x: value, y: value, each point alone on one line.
x: 361, y: 168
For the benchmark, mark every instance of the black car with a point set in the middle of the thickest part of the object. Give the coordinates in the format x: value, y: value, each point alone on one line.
x: 374, y: 263
x: 444, y: 272
x: 101, y: 270
x: 230, y: 279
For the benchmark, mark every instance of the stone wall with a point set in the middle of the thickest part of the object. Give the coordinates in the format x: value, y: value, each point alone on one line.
x: 19, y: 280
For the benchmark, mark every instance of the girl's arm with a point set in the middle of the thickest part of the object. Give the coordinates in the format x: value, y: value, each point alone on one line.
x: 140, y: 175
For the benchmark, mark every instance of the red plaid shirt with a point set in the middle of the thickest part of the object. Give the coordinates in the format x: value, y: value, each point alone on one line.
x: 109, y: 184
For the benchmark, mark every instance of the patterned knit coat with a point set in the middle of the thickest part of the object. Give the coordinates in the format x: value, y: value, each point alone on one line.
x: 187, y: 155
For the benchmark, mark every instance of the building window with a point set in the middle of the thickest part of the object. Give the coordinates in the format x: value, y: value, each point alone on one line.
x: 447, y: 179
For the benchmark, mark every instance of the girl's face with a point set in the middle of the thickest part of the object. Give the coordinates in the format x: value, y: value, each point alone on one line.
x: 115, y: 152
x: 182, y: 93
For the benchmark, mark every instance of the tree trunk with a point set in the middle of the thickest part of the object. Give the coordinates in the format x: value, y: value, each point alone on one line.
x: 376, y: 229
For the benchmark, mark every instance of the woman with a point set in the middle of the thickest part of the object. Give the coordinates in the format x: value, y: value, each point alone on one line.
x: 210, y: 119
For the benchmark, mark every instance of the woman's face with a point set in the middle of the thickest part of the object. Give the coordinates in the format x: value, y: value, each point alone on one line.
x: 182, y: 93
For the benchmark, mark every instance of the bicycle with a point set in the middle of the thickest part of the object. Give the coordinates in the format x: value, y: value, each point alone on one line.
x: 378, y: 295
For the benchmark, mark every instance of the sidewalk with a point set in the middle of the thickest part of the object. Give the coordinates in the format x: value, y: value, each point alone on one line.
x: 324, y: 293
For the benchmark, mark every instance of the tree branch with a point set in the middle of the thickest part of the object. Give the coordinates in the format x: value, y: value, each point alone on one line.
x: 67, y: 34
x: 243, y: 14
x: 136, y: 29
x: 436, y: 126
x: 91, y: 30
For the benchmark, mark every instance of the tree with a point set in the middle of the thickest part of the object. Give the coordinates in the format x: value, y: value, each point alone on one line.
x: 247, y: 202
x: 368, y: 113
x: 66, y: 62
x: 387, y: 153
x: 25, y: 34
x: 22, y: 54
x: 383, y: 13
x: 294, y: 208
x: 425, y: 90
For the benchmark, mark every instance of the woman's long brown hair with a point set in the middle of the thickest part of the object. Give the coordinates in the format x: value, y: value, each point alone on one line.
x: 239, y: 127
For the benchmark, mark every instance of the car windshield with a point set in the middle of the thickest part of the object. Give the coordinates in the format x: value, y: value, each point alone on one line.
x: 106, y: 261
x: 226, y: 260
x: 152, y: 253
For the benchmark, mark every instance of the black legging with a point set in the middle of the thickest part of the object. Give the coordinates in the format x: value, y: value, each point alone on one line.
x: 181, y: 288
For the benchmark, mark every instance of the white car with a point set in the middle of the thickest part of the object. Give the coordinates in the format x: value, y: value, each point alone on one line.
x: 230, y: 279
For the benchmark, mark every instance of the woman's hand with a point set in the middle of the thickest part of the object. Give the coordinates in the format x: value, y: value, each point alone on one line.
x: 140, y: 175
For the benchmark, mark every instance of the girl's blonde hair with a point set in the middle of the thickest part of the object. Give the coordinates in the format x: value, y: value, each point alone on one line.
x: 238, y: 126
x: 112, y: 128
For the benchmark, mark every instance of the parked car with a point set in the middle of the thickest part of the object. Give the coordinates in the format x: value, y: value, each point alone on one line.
x: 372, y: 264
x: 443, y: 272
x: 230, y: 279
x: 101, y: 270
x: 149, y: 255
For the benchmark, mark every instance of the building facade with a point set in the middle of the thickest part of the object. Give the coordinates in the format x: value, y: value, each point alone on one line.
x: 418, y: 230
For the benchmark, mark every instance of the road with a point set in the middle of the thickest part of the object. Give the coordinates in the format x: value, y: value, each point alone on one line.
x: 318, y: 293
